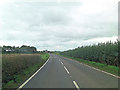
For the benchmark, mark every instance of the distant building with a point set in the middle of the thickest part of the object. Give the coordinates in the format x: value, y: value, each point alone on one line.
x: 22, y: 49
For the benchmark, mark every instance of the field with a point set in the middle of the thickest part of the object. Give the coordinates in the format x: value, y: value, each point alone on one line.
x: 16, y: 68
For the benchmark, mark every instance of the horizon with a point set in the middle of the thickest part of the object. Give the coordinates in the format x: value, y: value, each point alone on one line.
x: 67, y: 49
x: 58, y: 25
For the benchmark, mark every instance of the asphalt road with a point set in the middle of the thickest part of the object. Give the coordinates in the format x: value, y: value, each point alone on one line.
x: 60, y: 72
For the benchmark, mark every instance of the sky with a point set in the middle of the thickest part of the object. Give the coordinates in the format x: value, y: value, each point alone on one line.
x: 58, y: 24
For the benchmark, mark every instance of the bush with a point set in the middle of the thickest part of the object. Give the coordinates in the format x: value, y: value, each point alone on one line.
x: 106, y: 53
x: 13, y: 64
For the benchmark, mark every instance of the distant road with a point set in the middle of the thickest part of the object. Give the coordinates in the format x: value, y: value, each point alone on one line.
x: 60, y: 72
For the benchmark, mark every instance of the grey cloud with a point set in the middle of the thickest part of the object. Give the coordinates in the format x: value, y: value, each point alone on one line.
x: 52, y: 26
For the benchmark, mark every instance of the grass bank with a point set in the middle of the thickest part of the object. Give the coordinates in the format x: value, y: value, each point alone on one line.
x: 108, y: 68
x: 44, y: 56
x: 19, y: 67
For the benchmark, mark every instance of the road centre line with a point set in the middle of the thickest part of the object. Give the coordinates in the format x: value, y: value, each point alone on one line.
x: 66, y: 69
x: 96, y: 69
x: 61, y: 63
x: 76, y: 85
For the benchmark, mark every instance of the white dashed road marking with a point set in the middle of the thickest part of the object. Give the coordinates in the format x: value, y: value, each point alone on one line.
x: 61, y: 63
x: 76, y: 85
x: 66, y: 69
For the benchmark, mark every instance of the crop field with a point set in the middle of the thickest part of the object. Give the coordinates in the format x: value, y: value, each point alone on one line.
x: 16, y: 68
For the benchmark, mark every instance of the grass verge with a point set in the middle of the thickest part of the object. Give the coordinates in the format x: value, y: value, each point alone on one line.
x: 44, y: 56
x: 23, y: 75
x: 108, y: 68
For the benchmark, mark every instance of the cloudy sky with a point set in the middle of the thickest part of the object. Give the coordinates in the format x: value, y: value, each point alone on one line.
x: 57, y: 24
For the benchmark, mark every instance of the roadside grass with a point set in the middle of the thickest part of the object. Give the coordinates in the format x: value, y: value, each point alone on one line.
x: 108, y: 68
x: 18, y: 78
x: 44, y: 56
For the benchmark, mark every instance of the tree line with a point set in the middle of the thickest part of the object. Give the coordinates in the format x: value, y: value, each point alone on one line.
x: 107, y: 53
x: 22, y: 49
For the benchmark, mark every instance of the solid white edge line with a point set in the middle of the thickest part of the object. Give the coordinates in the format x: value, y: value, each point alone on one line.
x: 100, y: 70
x: 32, y: 76
x: 76, y: 85
x: 66, y: 69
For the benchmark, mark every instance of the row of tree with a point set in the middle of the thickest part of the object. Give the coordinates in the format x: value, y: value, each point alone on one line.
x: 22, y: 49
x: 106, y: 53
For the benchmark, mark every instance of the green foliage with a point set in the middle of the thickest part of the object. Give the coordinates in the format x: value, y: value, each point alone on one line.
x: 45, y: 56
x: 16, y: 68
x: 106, y: 53
x: 22, y: 49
